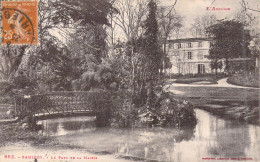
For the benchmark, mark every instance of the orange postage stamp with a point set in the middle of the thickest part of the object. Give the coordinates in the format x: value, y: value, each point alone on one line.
x: 19, y: 22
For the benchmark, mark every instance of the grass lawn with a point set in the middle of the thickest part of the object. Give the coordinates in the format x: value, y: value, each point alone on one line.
x: 219, y: 93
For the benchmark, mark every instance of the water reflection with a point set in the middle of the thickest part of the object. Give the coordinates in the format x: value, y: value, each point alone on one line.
x: 212, y: 137
x: 64, y: 126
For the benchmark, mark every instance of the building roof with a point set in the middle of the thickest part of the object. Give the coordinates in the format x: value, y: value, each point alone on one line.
x: 189, y: 40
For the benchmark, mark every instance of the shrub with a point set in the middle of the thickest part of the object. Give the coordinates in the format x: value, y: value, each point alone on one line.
x: 5, y: 87
x: 169, y: 111
x: 249, y: 80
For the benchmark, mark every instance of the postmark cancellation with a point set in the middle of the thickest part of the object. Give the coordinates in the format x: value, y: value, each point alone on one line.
x: 19, y: 22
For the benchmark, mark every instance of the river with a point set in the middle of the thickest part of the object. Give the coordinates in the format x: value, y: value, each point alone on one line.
x: 213, y: 137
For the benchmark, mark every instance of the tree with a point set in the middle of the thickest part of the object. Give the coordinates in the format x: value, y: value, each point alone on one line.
x: 230, y: 40
x: 10, y: 59
x: 201, y: 23
x: 54, y: 15
x: 167, y: 23
x: 130, y: 18
x: 152, y: 52
x: 247, y: 15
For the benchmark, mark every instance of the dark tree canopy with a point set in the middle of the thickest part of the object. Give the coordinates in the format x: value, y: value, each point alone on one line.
x: 151, y: 40
x: 230, y: 40
x: 85, y: 12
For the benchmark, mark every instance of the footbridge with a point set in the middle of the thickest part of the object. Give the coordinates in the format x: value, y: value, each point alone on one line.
x: 60, y: 104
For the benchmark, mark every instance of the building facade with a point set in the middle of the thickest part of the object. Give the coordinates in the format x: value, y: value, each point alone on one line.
x: 189, y: 56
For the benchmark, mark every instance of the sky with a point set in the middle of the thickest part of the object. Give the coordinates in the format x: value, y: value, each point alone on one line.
x: 190, y: 9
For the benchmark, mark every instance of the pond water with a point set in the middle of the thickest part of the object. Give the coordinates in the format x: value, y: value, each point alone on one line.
x: 212, y: 137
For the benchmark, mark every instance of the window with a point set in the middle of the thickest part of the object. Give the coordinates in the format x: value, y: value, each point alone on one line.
x: 206, y: 56
x: 179, y: 45
x: 189, y: 45
x: 200, y: 55
x: 200, y: 44
x: 189, y: 55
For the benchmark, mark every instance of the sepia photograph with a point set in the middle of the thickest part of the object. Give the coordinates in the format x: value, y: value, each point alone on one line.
x: 129, y: 80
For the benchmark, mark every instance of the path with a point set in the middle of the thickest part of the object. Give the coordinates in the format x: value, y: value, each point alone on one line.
x: 221, y: 90
x: 221, y: 83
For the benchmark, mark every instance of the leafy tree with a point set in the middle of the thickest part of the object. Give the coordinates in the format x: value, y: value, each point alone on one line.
x: 53, y: 14
x: 84, y: 12
x: 230, y: 40
x: 151, y: 41
x: 152, y: 52
x: 215, y: 65
x: 82, y: 23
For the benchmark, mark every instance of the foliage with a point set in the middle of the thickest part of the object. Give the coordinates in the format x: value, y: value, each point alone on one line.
x: 24, y: 83
x: 125, y: 115
x: 10, y: 59
x: 151, y: 41
x: 111, y: 74
x: 248, y: 80
x: 5, y: 87
x: 151, y: 52
x: 84, y: 12
x: 230, y: 40
x: 169, y: 111
x: 216, y: 64
x: 54, y: 65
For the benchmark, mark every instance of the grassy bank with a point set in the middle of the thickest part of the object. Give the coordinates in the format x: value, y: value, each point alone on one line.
x: 235, y: 110
x: 12, y: 133
x: 248, y: 80
x: 232, y: 103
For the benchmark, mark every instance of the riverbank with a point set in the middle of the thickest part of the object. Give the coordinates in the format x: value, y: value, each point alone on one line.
x: 21, y: 145
x: 244, y: 111
x: 14, y: 132
x: 222, y: 99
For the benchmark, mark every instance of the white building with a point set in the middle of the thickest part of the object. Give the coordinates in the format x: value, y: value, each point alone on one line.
x: 189, y: 56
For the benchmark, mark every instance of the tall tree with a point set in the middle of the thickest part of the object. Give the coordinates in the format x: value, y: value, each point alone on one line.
x: 230, y: 40
x: 152, y: 51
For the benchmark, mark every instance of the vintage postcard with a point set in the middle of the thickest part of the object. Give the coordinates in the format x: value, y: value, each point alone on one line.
x: 129, y: 80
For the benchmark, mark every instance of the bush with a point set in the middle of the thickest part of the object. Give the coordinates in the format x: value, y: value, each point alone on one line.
x: 5, y: 87
x: 248, y: 80
x: 125, y: 116
x: 169, y: 111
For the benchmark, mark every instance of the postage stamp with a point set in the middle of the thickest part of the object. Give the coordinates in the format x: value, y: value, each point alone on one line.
x: 19, y: 22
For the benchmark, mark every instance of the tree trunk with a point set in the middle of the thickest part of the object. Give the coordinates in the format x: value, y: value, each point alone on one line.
x: 227, y: 65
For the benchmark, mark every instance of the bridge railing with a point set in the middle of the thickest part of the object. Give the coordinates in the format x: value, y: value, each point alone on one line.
x: 63, y: 102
